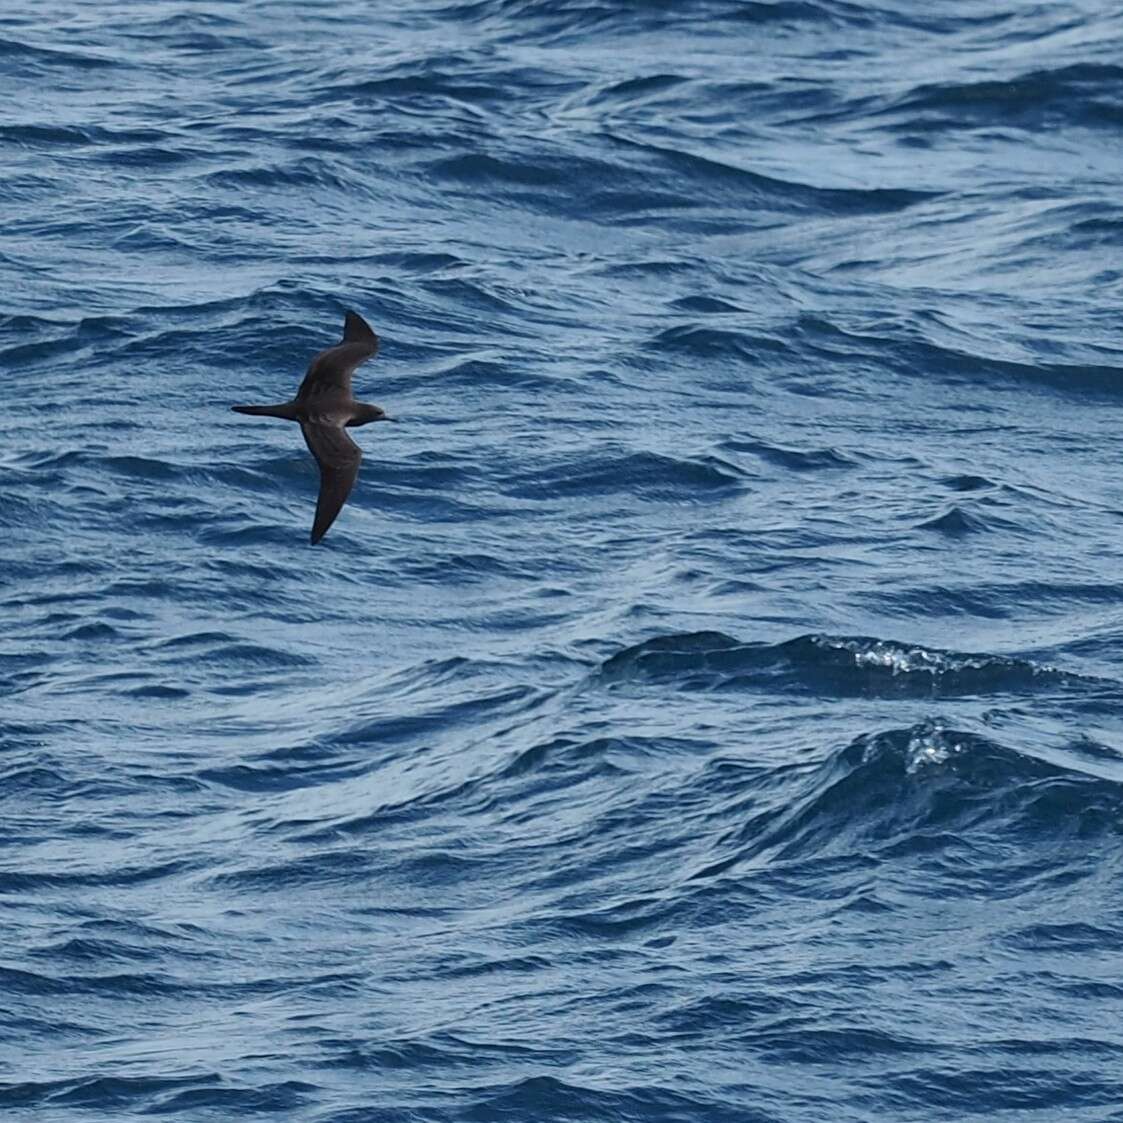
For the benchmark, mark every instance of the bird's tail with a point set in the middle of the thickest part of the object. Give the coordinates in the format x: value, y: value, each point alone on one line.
x: 283, y: 411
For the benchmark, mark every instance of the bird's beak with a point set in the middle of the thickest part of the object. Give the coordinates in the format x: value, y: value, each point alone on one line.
x: 389, y: 418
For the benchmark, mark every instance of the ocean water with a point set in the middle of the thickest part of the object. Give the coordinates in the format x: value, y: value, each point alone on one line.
x: 709, y: 706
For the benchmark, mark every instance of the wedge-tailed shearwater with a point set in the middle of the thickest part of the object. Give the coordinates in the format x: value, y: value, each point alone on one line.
x: 326, y: 408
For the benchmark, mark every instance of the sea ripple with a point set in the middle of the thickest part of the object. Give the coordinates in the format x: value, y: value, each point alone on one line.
x: 707, y: 706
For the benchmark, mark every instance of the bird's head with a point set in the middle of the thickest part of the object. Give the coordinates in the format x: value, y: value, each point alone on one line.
x: 367, y: 413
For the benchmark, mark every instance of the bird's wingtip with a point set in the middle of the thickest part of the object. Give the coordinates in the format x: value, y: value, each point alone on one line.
x: 357, y: 330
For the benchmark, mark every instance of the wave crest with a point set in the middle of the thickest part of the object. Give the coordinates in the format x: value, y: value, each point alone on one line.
x: 836, y: 666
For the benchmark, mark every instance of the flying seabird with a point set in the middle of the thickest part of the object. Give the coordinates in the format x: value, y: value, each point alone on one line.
x: 326, y: 408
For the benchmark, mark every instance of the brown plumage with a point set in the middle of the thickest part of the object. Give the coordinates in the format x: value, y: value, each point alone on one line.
x: 326, y: 408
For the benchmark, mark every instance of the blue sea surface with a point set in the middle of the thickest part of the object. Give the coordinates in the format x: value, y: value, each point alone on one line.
x: 709, y: 705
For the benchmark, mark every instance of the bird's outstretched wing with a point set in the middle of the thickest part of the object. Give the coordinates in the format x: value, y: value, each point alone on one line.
x: 338, y: 457
x: 330, y: 371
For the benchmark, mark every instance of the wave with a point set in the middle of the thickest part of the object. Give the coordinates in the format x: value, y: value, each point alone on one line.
x: 1081, y: 94
x: 29, y: 135
x: 156, y: 1094
x: 638, y: 180
x: 908, y: 354
x: 923, y: 790
x: 570, y: 1099
x: 577, y: 21
x: 650, y: 474
x: 200, y: 649
x: 716, y: 343
x: 716, y: 177
x: 793, y: 459
x: 838, y: 666
x: 955, y: 522
x: 26, y: 59
x: 305, y: 172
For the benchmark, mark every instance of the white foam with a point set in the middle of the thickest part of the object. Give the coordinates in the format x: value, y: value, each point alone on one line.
x: 929, y: 747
